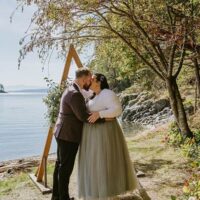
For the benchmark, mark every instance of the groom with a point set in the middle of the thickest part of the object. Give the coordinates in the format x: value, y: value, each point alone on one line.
x: 68, y: 130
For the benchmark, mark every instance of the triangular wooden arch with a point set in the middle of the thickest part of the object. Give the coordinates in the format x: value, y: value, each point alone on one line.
x: 41, y: 172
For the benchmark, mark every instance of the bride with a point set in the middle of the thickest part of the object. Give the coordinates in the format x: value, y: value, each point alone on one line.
x: 105, y: 169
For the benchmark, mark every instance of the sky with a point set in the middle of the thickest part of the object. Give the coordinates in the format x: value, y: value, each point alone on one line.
x: 30, y: 73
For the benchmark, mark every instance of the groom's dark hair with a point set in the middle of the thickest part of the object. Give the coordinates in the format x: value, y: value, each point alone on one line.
x: 103, y: 81
x: 83, y: 71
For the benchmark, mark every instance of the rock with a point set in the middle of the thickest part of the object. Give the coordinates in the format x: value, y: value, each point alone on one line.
x: 132, y: 102
x: 152, y: 111
x: 192, y: 198
x: 2, y: 164
x: 130, y: 197
x: 20, y: 160
x: 143, y: 98
x: 161, y: 104
x: 140, y: 174
x: 189, y: 109
x: 127, y: 114
x: 148, y: 103
x: 143, y: 109
x: 10, y: 171
x: 125, y: 98
x: 165, y: 110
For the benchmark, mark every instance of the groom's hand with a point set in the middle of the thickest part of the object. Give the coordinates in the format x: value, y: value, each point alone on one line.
x: 93, y: 117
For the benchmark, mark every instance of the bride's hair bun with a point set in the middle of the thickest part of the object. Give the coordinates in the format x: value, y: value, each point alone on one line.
x: 103, y: 80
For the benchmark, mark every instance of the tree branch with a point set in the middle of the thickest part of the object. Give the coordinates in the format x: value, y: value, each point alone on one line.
x: 171, y: 61
x: 181, y: 59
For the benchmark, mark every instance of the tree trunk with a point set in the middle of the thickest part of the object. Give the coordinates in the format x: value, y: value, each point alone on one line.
x: 173, y: 101
x: 178, y: 108
x: 183, y: 122
x: 197, y: 93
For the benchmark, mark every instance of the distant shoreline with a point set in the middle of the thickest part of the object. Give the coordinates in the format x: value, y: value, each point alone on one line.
x: 29, y: 91
x: 42, y: 90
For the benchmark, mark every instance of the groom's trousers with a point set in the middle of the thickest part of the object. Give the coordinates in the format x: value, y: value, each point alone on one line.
x: 66, y: 154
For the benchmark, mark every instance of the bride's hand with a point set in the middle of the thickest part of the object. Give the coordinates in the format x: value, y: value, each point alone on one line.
x: 93, y: 117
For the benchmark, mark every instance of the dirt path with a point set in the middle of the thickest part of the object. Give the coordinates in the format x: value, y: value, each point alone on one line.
x: 164, y: 168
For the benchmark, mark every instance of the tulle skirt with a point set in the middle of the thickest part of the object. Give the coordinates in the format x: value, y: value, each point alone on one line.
x: 105, y: 169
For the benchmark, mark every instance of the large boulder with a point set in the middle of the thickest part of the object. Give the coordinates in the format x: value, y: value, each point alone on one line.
x: 161, y: 104
x: 142, y: 108
x: 126, y: 98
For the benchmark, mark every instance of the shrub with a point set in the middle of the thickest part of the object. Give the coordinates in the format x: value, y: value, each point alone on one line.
x: 52, y: 100
x: 191, y: 150
x: 174, y: 137
x: 191, y: 187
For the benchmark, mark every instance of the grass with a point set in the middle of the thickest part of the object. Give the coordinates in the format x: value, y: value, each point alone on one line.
x: 50, y: 169
x: 13, y: 182
x: 21, y: 179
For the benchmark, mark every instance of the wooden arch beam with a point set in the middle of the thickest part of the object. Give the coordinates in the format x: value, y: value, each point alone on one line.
x: 40, y: 174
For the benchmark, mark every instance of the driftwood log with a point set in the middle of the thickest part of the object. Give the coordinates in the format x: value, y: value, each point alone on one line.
x: 22, y: 164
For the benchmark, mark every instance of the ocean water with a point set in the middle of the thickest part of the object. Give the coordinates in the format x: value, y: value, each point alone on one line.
x: 23, y: 127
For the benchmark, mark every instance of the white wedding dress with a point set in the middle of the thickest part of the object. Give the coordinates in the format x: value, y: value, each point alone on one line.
x: 105, y: 169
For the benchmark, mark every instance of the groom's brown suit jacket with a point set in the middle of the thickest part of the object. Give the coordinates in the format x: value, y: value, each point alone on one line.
x: 73, y: 113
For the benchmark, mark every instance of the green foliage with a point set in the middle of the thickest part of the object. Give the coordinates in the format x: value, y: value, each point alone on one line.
x: 114, y: 59
x: 186, y: 77
x: 174, y: 138
x: 190, y: 147
x: 192, y: 187
x: 52, y: 100
x: 191, y: 150
x: 188, y: 102
x: 173, y: 198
